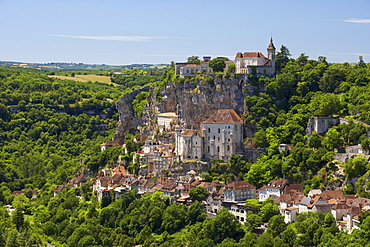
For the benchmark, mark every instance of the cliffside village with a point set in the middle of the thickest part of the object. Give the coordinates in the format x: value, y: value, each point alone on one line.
x: 222, y: 136
x: 173, y: 167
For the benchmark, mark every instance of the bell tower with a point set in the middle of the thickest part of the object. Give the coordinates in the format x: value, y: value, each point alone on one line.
x: 271, y: 55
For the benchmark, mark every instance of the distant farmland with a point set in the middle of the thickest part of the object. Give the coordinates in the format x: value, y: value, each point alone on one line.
x: 86, y: 78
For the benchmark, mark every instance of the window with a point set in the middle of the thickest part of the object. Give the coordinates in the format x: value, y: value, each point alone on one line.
x: 219, y: 130
x: 228, y: 148
x: 209, y: 130
x: 209, y: 149
x: 218, y: 149
x: 218, y: 138
x: 214, y: 138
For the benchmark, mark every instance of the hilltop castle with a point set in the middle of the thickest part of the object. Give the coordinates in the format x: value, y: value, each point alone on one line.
x: 246, y: 63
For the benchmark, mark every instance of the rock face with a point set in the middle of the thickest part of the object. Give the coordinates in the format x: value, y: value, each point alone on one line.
x: 193, y: 102
x: 127, y: 121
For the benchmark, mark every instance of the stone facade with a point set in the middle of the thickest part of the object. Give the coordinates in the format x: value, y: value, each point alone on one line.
x: 220, y: 138
x: 321, y: 124
x: 223, y: 134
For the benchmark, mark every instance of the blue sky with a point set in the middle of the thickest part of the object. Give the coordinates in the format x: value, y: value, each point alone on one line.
x: 119, y: 32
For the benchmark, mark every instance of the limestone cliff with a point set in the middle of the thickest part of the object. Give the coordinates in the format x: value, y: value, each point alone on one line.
x: 193, y: 102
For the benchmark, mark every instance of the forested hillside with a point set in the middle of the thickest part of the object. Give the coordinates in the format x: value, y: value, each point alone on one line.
x: 48, y: 125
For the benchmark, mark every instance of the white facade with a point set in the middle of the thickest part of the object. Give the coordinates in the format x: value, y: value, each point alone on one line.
x: 290, y: 214
x: 189, y: 144
x: 166, y: 119
x: 256, y: 62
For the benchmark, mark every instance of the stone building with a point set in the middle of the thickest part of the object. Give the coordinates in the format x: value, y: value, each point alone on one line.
x: 189, y: 144
x: 320, y: 124
x: 188, y: 69
x: 166, y: 119
x: 239, y: 191
x: 220, y: 138
x: 256, y: 62
x: 246, y: 63
x: 223, y: 134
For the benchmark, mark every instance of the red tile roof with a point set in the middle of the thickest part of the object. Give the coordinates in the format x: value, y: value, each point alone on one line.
x: 340, y: 205
x: 110, y: 143
x: 189, y: 133
x: 239, y: 185
x: 226, y: 116
x: 59, y: 188
x: 15, y: 193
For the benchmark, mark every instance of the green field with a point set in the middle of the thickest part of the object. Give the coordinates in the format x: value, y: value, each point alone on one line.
x: 86, y: 78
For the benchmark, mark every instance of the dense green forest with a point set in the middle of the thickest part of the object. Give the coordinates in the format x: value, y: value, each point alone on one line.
x: 51, y: 128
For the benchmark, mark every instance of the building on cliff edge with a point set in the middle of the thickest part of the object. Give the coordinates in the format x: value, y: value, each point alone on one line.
x: 245, y: 63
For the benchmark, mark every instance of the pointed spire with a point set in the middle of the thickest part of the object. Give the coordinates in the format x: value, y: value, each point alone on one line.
x: 271, y: 45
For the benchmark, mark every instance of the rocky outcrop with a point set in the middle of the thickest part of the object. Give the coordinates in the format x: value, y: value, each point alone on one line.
x: 193, y: 101
x: 127, y: 123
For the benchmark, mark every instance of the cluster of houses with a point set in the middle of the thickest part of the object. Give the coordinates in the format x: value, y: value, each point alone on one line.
x: 232, y: 196
x: 220, y: 137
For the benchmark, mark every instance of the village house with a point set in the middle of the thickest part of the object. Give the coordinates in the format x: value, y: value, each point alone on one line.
x: 188, y: 69
x: 58, y: 189
x: 107, y: 144
x: 240, y: 212
x: 273, y: 188
x: 189, y: 144
x: 239, y: 191
x: 166, y: 120
x: 77, y: 180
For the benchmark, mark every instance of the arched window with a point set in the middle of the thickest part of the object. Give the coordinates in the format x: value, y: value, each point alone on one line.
x: 218, y: 149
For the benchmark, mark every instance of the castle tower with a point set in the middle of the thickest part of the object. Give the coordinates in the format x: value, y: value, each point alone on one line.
x: 271, y: 55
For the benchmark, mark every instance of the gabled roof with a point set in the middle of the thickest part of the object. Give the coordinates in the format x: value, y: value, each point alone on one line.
x: 190, y: 133
x: 340, y: 205
x: 15, y: 193
x: 250, y: 55
x: 239, y: 185
x: 192, y: 65
x: 331, y: 194
x: 225, y: 116
x: 59, y: 188
x: 276, y: 184
x: 293, y: 187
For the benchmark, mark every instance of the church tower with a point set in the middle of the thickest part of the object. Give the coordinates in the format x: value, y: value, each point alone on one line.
x: 271, y: 55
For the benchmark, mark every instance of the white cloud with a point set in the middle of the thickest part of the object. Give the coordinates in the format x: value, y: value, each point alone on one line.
x: 355, y: 20
x: 113, y: 38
